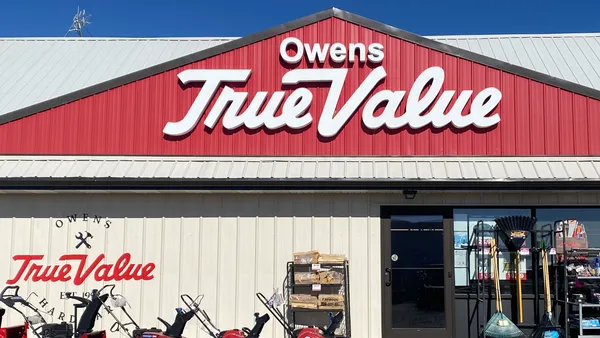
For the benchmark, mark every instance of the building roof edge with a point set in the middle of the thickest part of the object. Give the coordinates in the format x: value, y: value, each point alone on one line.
x: 295, y: 24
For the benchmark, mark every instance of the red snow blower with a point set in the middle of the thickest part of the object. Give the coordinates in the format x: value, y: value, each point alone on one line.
x: 259, y: 323
x: 16, y: 331
x: 43, y: 329
x: 174, y: 330
x: 10, y: 301
x: 305, y: 332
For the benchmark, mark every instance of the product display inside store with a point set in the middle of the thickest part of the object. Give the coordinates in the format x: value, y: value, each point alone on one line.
x: 554, y: 263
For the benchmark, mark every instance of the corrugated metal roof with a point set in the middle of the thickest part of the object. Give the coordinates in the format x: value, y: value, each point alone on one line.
x: 571, y: 57
x: 39, y: 69
x: 308, y: 168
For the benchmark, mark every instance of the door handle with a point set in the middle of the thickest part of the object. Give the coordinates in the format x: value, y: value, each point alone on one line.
x: 388, y: 273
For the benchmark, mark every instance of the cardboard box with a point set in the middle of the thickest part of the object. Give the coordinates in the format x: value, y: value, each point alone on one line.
x: 576, y: 236
x: 331, y: 302
x: 332, y: 258
x: 331, y: 277
x: 306, y: 278
x: 301, y: 301
x: 310, y: 257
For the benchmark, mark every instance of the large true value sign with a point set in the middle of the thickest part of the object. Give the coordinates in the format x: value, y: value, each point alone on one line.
x: 422, y: 109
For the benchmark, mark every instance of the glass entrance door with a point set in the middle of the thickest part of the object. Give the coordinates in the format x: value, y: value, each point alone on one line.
x: 417, y: 276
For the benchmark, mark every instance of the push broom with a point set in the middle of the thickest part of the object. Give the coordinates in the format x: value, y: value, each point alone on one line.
x: 513, y: 232
x: 547, y: 327
x: 499, y: 326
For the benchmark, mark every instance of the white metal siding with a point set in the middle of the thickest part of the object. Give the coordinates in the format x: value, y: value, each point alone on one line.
x: 225, y: 246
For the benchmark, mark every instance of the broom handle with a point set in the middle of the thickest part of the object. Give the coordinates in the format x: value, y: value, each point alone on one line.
x: 493, y: 271
x: 544, y: 273
x: 519, y: 290
x: 547, y: 283
x: 496, y: 278
x: 544, y: 278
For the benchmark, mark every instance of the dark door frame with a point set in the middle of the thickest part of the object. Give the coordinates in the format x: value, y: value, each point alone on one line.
x: 385, y: 219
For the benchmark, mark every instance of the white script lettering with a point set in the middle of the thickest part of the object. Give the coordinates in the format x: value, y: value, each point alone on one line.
x: 295, y: 112
x: 338, y: 52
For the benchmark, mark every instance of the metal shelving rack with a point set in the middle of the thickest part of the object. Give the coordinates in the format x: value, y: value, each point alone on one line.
x: 484, y: 291
x: 579, y: 315
x: 291, y: 287
x: 580, y: 307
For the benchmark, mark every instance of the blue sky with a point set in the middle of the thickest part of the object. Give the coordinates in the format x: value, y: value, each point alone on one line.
x: 152, y: 18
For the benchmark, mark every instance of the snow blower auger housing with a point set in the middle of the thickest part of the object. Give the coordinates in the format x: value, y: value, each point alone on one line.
x: 305, y: 332
x: 16, y: 331
x: 194, y: 306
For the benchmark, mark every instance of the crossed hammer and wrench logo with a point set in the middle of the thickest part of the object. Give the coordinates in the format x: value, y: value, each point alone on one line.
x: 83, y: 240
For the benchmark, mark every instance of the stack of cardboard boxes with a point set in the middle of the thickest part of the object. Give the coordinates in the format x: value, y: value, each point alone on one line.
x: 319, y: 275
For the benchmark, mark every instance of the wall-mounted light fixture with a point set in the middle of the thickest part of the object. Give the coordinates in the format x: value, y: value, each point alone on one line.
x: 409, y: 194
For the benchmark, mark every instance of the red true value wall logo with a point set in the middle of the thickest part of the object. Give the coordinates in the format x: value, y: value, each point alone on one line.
x: 122, y: 269
x: 295, y: 112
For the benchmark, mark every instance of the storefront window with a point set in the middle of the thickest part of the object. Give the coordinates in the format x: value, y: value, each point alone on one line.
x: 468, y: 266
x: 589, y: 217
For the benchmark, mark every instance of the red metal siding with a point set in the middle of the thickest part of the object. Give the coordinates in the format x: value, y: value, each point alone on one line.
x: 536, y: 119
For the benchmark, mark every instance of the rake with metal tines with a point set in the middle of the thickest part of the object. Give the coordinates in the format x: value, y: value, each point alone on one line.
x: 499, y: 326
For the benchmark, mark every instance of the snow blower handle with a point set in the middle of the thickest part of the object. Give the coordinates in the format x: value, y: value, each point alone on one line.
x: 194, y: 307
x: 193, y: 304
x: 16, y: 293
x: 11, y: 299
x: 111, y: 288
x: 117, y: 300
x: 276, y: 313
x: 335, y: 323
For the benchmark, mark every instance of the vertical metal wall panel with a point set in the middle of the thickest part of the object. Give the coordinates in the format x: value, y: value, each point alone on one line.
x: 226, y: 246
x: 536, y: 119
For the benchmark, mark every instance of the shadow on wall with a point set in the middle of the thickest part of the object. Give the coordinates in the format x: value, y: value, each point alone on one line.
x: 186, y: 205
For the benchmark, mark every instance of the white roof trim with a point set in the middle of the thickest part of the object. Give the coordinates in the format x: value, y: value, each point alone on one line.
x: 108, y: 38
x: 372, y: 169
x: 500, y: 35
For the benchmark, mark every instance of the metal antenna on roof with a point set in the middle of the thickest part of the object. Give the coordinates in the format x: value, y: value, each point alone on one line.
x: 79, y: 22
